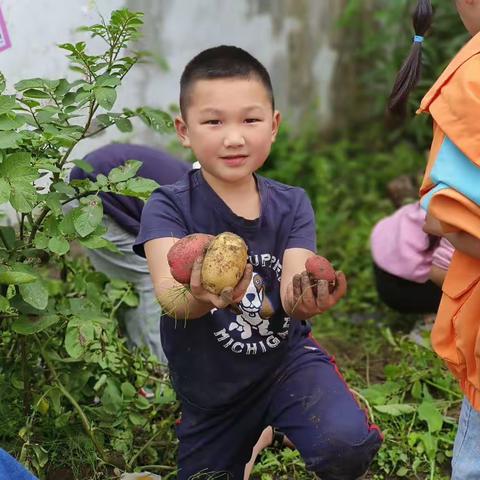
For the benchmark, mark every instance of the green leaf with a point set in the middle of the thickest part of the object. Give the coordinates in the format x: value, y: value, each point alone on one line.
x: 105, y: 96
x: 112, y: 399
x: 16, y: 169
x: 417, y: 390
x: 35, y: 294
x: 54, y: 202
x: 100, y: 382
x: 69, y: 98
x: 23, y: 197
x: 7, y: 103
x: 47, y: 164
x: 395, y: 409
x: 28, y: 325
x: 140, y: 188
x: 4, y: 191
x: 402, y: 472
x: 64, y: 188
x: 142, y: 403
x: 94, y: 242
x: 34, y: 93
x: 158, y: 120
x: 107, y: 81
x: 431, y: 444
x: 85, y: 166
x: 2, y: 82
x: 428, y: 412
x: 12, y: 277
x: 10, y: 121
x: 29, y: 83
x: 128, y: 390
x: 4, y: 304
x: 41, y: 241
x: 124, y: 125
x: 78, y: 337
x: 136, y: 419
x: 164, y: 394
x: 128, y: 170
x: 9, y: 236
x: 66, y: 225
x: 62, y: 88
x: 58, y: 245
x: 88, y: 217
x: 9, y: 139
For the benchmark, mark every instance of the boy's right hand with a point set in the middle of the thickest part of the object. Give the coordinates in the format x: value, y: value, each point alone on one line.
x: 229, y: 296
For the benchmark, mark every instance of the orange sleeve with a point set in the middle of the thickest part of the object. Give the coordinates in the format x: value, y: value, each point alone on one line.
x: 456, y: 109
x: 455, y: 212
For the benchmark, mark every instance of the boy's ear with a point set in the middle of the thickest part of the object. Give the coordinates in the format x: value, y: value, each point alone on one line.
x: 182, y: 131
x: 277, y: 119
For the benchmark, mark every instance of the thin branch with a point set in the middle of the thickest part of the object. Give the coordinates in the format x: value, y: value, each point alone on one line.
x: 83, y: 417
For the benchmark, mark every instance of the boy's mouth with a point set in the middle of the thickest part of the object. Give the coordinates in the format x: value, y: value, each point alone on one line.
x: 234, y: 160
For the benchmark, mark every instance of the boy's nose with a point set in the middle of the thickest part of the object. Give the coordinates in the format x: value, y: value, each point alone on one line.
x: 233, y: 139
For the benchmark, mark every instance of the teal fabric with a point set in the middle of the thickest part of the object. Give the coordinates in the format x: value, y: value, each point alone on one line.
x: 453, y: 169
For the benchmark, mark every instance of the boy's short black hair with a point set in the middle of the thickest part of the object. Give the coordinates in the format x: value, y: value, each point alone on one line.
x: 223, y: 61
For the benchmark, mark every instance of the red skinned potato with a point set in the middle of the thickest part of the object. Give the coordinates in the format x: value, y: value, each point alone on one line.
x: 319, y: 268
x: 184, y: 252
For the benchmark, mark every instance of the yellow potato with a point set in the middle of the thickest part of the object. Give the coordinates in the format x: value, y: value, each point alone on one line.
x: 224, y: 262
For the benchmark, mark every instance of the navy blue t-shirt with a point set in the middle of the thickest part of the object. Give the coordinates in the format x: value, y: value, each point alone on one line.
x: 156, y: 165
x: 215, y: 360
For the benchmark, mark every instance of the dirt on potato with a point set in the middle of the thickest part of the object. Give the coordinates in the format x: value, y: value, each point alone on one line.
x: 224, y: 262
x: 183, y: 254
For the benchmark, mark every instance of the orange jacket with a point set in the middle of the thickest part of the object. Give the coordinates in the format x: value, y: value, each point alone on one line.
x: 454, y: 103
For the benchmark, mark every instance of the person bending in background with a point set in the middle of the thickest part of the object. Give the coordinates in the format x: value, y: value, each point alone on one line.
x: 409, y: 264
x: 122, y: 220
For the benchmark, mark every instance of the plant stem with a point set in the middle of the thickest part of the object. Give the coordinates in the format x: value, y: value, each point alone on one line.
x: 365, y: 401
x: 443, y: 389
x: 27, y: 394
x: 147, y: 444
x: 117, y: 305
x: 83, y: 417
x: 22, y: 226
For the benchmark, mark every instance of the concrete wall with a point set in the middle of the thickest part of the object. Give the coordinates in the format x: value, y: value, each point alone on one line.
x: 297, y: 40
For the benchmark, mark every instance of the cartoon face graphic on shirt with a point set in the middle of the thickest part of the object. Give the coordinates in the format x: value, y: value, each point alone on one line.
x: 254, y: 311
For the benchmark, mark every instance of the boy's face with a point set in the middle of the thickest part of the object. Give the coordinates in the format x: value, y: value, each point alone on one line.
x: 469, y: 11
x: 230, y: 126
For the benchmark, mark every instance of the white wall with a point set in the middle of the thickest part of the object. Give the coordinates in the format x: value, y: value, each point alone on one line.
x: 293, y: 38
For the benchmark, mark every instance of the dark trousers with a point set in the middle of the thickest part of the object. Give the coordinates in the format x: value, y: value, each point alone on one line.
x: 309, y: 402
x: 406, y: 296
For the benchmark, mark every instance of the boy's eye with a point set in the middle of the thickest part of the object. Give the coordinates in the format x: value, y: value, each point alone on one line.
x: 211, y: 122
x: 252, y: 120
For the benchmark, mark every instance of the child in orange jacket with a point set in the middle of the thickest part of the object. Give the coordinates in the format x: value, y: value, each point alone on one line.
x: 450, y: 193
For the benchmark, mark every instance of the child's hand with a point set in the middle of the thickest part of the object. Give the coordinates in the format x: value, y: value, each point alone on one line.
x: 227, y: 297
x: 301, y: 301
x: 432, y: 226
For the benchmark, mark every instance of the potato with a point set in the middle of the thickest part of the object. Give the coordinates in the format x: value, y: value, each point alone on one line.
x: 184, y: 252
x: 224, y: 262
x: 319, y: 268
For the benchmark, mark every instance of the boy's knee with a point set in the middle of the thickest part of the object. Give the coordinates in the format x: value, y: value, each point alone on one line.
x: 343, y: 459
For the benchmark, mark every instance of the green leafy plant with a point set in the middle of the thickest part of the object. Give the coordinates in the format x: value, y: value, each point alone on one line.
x: 66, y: 376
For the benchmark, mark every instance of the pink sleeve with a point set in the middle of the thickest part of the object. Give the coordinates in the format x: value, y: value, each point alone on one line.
x: 401, y: 247
x: 442, y: 255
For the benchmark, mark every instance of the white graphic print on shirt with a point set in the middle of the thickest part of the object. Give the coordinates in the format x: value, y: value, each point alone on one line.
x: 253, y: 315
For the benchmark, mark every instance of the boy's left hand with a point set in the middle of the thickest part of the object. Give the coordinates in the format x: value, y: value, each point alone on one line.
x: 302, y: 303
